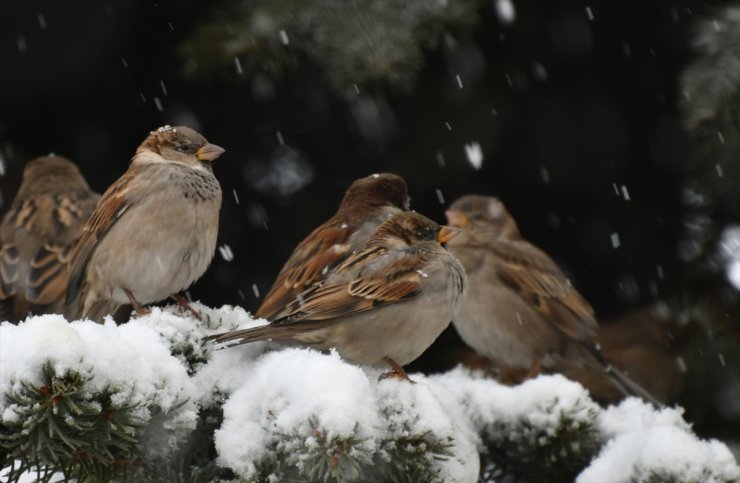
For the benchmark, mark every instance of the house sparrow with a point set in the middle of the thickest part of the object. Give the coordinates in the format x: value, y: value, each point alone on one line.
x: 520, y: 310
x: 37, y: 235
x: 385, y: 303
x: 153, y: 233
x: 367, y: 203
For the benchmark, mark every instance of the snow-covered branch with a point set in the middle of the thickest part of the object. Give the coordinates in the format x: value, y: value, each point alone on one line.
x: 83, y: 400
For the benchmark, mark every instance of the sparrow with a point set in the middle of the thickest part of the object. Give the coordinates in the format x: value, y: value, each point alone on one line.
x: 367, y: 203
x: 521, y: 311
x: 153, y: 232
x: 37, y: 235
x: 384, y: 304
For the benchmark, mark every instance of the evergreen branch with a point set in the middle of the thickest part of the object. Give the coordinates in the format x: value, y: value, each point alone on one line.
x: 61, y: 428
x: 531, y: 452
x: 354, y: 42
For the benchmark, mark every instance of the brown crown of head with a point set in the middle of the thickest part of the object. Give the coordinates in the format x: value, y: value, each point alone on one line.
x: 46, y: 173
x: 482, y: 210
x: 414, y: 229
x: 378, y: 190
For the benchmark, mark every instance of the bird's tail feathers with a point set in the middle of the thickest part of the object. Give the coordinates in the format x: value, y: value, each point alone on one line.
x: 253, y: 334
x: 97, y: 311
x: 273, y: 332
x: 621, y: 381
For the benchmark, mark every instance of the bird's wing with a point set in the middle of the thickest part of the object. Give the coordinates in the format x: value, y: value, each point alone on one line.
x: 47, y: 271
x: 9, y: 259
x: 535, y: 277
x: 321, y: 250
x: 362, y: 282
x: 113, y: 204
x: 19, y: 216
x: 47, y: 275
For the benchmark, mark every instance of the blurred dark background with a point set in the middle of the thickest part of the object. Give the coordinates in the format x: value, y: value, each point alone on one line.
x: 576, y: 108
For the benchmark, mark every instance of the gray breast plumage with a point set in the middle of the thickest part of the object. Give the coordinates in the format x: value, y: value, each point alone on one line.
x: 196, y: 185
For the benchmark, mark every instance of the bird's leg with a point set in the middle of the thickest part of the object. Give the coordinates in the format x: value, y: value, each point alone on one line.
x: 396, y: 371
x: 534, y: 371
x: 138, y: 308
x: 183, y: 303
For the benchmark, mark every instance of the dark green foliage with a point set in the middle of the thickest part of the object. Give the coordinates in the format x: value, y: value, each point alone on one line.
x: 409, y: 459
x: 315, y: 458
x: 195, y: 459
x: 533, y: 453
x: 64, y: 429
x: 407, y: 455
x: 354, y: 42
x: 710, y: 100
x: 709, y: 338
x: 406, y: 459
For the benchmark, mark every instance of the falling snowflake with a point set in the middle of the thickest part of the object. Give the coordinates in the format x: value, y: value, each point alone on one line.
x: 226, y: 252
x: 615, y: 240
x: 505, y: 11
x: 474, y: 154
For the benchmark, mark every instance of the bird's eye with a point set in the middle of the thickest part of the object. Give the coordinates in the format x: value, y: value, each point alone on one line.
x: 427, y: 233
x: 184, y: 148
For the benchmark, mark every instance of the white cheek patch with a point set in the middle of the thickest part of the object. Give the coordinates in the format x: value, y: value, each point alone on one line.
x: 197, y: 167
x: 148, y: 157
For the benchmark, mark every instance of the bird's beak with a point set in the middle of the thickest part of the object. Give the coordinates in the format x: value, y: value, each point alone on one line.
x: 209, y: 152
x: 447, y: 233
x: 456, y: 218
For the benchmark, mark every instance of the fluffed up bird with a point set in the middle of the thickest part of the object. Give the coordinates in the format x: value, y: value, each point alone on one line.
x: 37, y: 236
x: 384, y: 304
x: 520, y: 310
x: 153, y: 233
x: 367, y: 203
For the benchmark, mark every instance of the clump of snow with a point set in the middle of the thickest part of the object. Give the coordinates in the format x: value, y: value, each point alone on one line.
x: 164, y: 128
x: 226, y: 369
x: 662, y: 453
x: 129, y: 360
x: 131, y: 363
x: 639, y: 441
x: 542, y: 402
x: 294, y: 395
x: 184, y: 334
x: 634, y: 415
x: 656, y: 444
x: 299, y: 400
x: 214, y: 373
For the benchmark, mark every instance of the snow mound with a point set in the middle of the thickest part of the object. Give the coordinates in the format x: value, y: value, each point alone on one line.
x: 542, y: 402
x: 297, y: 414
x: 656, y: 445
x: 305, y: 407
x: 129, y: 360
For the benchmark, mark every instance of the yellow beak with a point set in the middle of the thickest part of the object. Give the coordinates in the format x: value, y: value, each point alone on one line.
x: 209, y: 152
x: 447, y: 233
